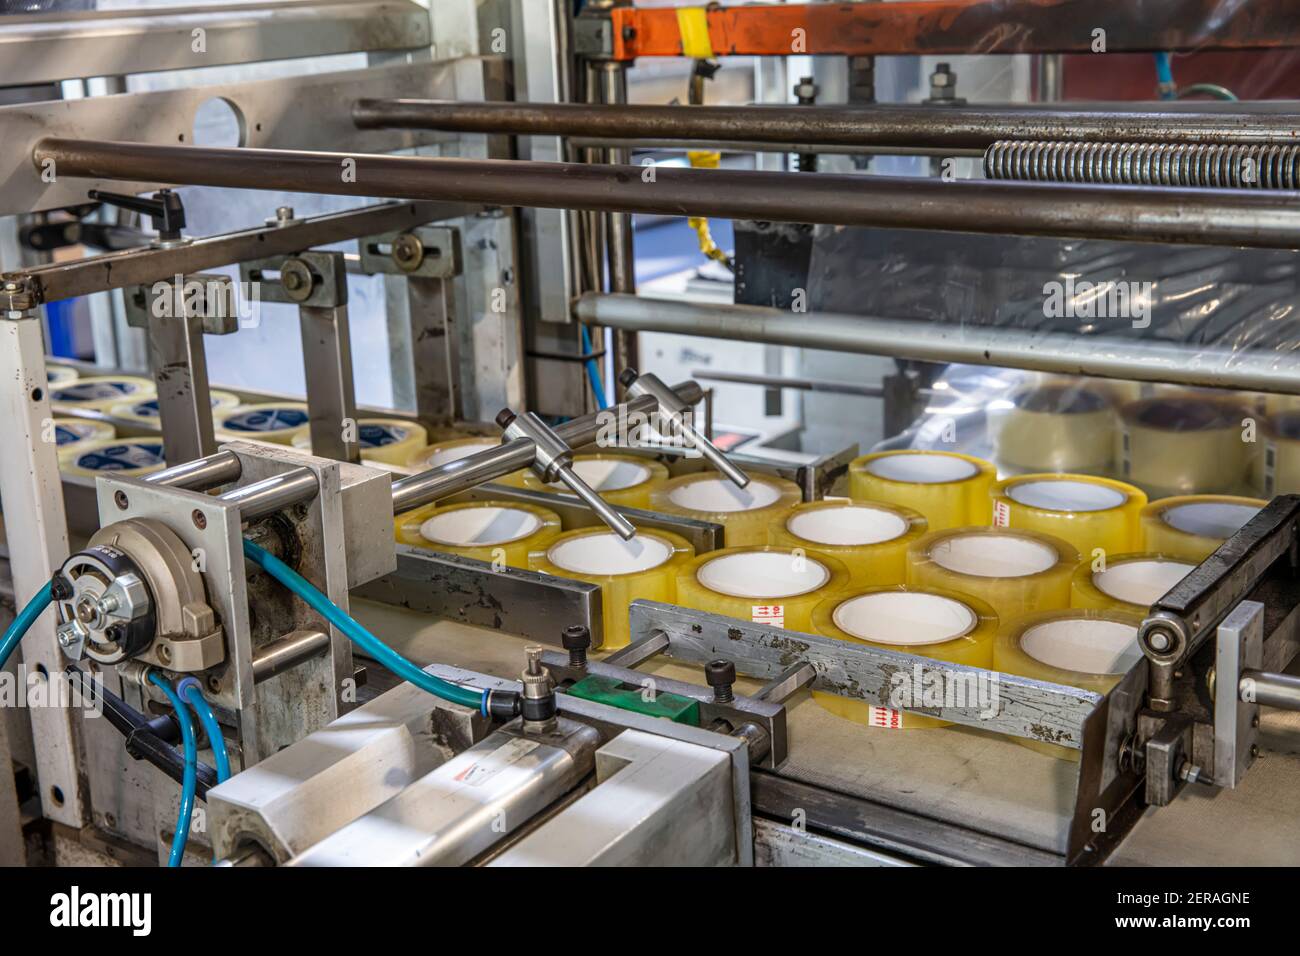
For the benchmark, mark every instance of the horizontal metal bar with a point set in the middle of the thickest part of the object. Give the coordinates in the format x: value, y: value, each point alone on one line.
x: 1022, y: 707
x: 876, y: 126
x: 199, y: 474
x: 266, y: 497
x: 1143, y: 360
x: 955, y: 27
x: 115, y: 270
x: 288, y: 652
x: 1149, y: 214
x: 46, y: 47
x: 760, y: 146
x: 1270, y: 690
x: 800, y: 384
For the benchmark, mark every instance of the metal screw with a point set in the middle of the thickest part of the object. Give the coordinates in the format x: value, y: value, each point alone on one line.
x: 199, y: 518
x: 119, y: 499
x: 720, y: 675
x: 576, y: 639
x: 283, y: 213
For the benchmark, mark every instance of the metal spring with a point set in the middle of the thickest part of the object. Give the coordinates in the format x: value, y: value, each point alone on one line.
x: 1211, y: 165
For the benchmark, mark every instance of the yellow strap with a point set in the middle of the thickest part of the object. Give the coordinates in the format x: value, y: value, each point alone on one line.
x: 705, y: 159
x: 693, y: 24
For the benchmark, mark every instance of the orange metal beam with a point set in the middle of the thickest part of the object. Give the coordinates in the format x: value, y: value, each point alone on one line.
x: 965, y: 26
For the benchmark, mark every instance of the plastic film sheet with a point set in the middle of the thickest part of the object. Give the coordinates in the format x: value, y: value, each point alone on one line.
x: 871, y: 538
x: 493, y: 531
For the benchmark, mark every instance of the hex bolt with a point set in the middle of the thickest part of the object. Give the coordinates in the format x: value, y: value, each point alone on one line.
x: 576, y: 639
x: 720, y: 675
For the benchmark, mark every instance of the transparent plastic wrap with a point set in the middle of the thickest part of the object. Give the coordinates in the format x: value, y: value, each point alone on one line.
x: 871, y: 538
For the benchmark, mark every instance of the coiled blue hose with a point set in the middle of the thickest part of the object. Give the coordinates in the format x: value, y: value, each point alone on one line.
x: 25, y: 619
x: 188, y: 689
x: 181, y: 834
x: 385, y: 655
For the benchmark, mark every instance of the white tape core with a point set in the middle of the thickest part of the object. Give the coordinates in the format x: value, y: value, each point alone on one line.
x: 603, y: 475
x: 606, y: 553
x: 719, y: 494
x: 904, y: 618
x: 1083, y: 645
x: 1140, y: 582
x: 457, y: 452
x: 1066, y: 495
x: 477, y: 527
x: 993, y: 555
x: 922, y: 469
x: 848, y: 525
x: 1209, y: 519
x: 763, y: 574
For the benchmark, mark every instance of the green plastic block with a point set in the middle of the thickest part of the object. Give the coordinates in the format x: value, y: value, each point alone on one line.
x: 616, y: 693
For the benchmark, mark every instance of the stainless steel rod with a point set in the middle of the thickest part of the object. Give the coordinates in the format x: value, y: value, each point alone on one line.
x: 1270, y: 690
x: 273, y: 494
x: 287, y: 652
x: 1150, y: 214
x: 969, y: 127
x: 1109, y: 357
x: 201, y: 473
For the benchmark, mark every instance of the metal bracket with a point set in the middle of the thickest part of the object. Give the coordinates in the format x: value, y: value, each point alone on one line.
x: 432, y: 252
x: 210, y: 296
x: 312, y: 279
x: 1239, y: 648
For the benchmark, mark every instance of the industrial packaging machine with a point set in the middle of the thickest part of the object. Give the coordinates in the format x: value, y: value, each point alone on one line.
x: 366, y: 702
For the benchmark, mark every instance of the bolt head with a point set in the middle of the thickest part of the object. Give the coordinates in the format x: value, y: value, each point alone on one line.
x: 720, y: 673
x: 575, y: 638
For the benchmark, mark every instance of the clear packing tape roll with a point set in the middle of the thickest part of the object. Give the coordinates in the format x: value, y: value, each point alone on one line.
x: 1057, y: 426
x: 1182, y: 444
x: 489, y: 531
x: 126, y: 456
x: 1088, y: 512
x: 935, y: 623
x: 647, y: 567
x: 274, y: 422
x: 100, y: 392
x: 1014, y: 571
x: 949, y: 489
x: 625, y: 481
x: 60, y: 374
x: 72, y: 435
x: 745, y: 513
x: 1275, y: 465
x: 1193, y: 526
x: 1088, y: 649
x: 454, y: 449
x: 147, y: 412
x: 388, y: 440
x: 775, y: 587
x: 1128, y: 582
x: 871, y: 538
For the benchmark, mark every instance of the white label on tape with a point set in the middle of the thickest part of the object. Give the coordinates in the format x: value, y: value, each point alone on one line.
x: 884, y: 717
x: 773, y: 615
x: 485, y: 768
x: 1001, y: 514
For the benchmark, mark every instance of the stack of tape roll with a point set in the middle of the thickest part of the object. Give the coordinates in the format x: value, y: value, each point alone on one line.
x: 1275, y: 466
x: 275, y: 422
x: 1193, y: 526
x: 1272, y: 404
x: 777, y: 587
x: 646, y: 566
x: 1182, y: 445
x: 147, y: 412
x: 870, y: 538
x: 623, y: 480
x: 1089, y: 649
x: 1126, y: 582
x: 949, y: 489
x: 1090, y: 513
x: 388, y: 440
x: 745, y: 513
x: 127, y: 456
x: 74, y: 434
x: 443, y: 452
x: 502, y: 532
x: 1057, y: 427
x: 60, y: 374
x: 929, y: 622
x: 102, y: 391
x: 1015, y: 571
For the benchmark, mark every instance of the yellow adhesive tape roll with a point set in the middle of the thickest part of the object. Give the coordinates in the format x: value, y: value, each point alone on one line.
x: 645, y: 567
x: 1057, y: 427
x: 1015, y: 571
x: 745, y: 513
x: 622, y: 480
x: 929, y: 622
x: 1275, y: 465
x: 1184, y: 445
x: 490, y: 531
x: 126, y: 456
x: 102, y: 391
x: 1128, y: 582
x: 454, y: 449
x: 949, y: 489
x: 146, y: 412
x: 1082, y: 648
x: 275, y: 422
x: 1088, y: 512
x: 777, y: 587
x: 60, y: 374
x: 72, y: 435
x: 388, y: 440
x: 1193, y: 526
x: 870, y: 538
